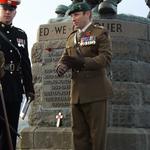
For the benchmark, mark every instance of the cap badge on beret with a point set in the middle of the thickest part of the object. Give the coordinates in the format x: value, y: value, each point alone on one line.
x: 80, y: 7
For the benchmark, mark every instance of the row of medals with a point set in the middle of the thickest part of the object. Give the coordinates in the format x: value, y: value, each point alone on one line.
x: 86, y: 40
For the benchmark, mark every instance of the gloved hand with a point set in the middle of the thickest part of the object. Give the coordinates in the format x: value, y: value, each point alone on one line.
x: 61, y: 69
x: 30, y: 96
x: 2, y: 63
x: 73, y: 62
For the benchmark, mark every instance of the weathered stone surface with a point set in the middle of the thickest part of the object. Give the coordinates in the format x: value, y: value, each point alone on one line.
x: 130, y: 49
x: 36, y: 52
x: 146, y: 94
x: 36, y: 72
x: 130, y: 93
x: 56, y: 138
x: 125, y: 49
x: 118, y: 28
x: 128, y: 139
x: 144, y: 51
x: 55, y: 44
x: 126, y: 93
x: 44, y: 138
x: 149, y: 29
x: 129, y: 106
x: 44, y: 116
x: 35, y: 105
x: 131, y: 71
x: 27, y: 141
x: 59, y: 31
x: 129, y: 116
x: 61, y: 139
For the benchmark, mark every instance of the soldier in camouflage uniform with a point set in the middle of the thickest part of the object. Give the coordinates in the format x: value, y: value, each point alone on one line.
x: 88, y: 52
x: 17, y: 77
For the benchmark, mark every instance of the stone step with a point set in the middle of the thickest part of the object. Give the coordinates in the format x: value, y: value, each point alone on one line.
x: 52, y: 138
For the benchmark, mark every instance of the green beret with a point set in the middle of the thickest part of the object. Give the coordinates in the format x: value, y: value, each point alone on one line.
x: 80, y: 6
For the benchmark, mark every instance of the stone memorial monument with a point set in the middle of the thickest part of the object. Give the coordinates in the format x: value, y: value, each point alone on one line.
x: 128, y: 109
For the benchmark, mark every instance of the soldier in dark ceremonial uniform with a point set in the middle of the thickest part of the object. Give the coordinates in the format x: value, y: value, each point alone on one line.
x: 17, y: 77
x: 88, y: 53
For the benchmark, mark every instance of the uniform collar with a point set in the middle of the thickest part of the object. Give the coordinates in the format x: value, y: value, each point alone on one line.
x: 5, y: 25
x: 84, y: 29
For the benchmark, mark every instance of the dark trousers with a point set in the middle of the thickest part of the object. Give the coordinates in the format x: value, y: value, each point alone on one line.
x: 89, y: 125
x: 13, y: 109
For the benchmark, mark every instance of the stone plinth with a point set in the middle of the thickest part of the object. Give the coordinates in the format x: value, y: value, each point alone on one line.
x: 46, y: 138
x: 61, y: 139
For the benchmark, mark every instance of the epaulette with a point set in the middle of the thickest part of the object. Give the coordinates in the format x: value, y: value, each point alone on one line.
x: 20, y: 30
x: 98, y: 26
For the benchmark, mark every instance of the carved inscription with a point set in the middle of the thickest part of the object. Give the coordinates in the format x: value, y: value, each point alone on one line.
x: 55, y: 89
x: 112, y: 27
x: 58, y: 31
x: 61, y: 31
x: 122, y: 116
x: 55, y: 31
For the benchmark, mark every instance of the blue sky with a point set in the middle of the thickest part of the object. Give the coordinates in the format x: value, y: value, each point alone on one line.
x: 32, y: 13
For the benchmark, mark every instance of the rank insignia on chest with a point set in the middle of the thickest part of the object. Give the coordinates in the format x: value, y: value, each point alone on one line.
x: 88, y: 40
x: 21, y: 42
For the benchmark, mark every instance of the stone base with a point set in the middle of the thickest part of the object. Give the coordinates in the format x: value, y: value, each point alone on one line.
x: 128, y: 139
x: 52, y: 138
x: 45, y: 138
